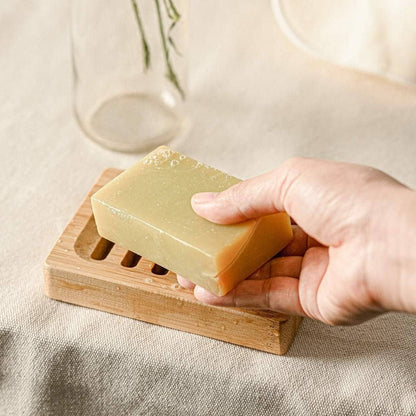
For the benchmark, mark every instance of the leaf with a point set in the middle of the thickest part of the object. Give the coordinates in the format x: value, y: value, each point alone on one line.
x: 171, y: 10
x: 170, y: 74
x: 171, y: 41
x: 145, y: 45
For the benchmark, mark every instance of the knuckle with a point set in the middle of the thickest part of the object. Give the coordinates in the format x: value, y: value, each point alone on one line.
x: 336, y: 312
x: 287, y: 175
x: 234, y: 297
x: 236, y: 192
x: 266, y: 289
x: 293, y: 161
x: 313, y: 253
x: 332, y: 320
x: 336, y: 320
x: 239, y: 196
x: 293, y: 164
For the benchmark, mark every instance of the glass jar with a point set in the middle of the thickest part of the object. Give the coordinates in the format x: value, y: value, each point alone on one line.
x: 130, y: 70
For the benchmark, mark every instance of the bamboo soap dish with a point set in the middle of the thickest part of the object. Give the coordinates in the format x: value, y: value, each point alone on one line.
x: 87, y: 270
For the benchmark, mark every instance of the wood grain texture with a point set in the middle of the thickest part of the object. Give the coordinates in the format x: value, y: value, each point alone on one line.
x: 86, y: 270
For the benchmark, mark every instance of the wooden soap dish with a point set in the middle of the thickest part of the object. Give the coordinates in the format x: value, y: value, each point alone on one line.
x: 87, y: 270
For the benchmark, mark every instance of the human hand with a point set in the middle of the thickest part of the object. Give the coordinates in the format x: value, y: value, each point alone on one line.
x: 365, y: 222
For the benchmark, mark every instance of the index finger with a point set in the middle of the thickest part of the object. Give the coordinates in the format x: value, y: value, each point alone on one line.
x: 280, y: 294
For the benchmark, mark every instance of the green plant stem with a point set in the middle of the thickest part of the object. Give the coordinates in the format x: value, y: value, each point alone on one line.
x: 171, y: 10
x: 174, y: 16
x: 170, y: 73
x: 175, y: 12
x: 146, y: 51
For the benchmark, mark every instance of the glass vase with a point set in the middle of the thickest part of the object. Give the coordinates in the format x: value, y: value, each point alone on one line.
x: 130, y: 70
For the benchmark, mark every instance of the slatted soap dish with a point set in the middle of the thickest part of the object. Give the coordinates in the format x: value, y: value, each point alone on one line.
x: 87, y: 270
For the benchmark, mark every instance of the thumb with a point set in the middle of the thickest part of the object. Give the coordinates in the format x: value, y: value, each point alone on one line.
x: 262, y: 195
x: 327, y: 199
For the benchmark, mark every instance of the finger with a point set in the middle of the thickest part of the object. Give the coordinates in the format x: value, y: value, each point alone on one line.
x: 343, y: 299
x: 264, y: 272
x: 185, y: 282
x: 286, y: 266
x: 279, y: 266
x: 313, y: 243
x: 315, y: 193
x: 279, y: 294
x: 314, y: 266
x: 248, y: 199
x: 298, y: 245
x: 263, y: 195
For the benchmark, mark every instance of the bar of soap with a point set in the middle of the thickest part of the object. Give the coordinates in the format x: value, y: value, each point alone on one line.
x: 147, y: 210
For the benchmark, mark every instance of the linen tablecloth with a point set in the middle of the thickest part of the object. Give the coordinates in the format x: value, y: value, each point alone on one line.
x: 255, y: 100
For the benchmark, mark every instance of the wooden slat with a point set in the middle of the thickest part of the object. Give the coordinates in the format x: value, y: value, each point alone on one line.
x: 72, y: 275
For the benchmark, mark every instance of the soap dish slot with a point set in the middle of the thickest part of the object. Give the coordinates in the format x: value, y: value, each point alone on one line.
x: 159, y: 270
x: 90, y: 246
x: 102, y: 249
x: 130, y: 259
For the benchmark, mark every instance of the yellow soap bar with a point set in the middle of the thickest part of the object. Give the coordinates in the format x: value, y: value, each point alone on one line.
x: 147, y: 210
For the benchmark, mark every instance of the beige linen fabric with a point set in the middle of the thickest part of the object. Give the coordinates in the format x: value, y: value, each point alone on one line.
x: 376, y: 36
x: 255, y: 101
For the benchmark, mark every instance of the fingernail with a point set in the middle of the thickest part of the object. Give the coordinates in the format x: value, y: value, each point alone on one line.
x: 203, y: 197
x: 201, y: 294
x: 204, y: 296
x: 198, y: 290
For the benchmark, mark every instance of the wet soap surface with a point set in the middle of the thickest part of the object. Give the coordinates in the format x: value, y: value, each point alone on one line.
x: 161, y: 186
x: 147, y: 210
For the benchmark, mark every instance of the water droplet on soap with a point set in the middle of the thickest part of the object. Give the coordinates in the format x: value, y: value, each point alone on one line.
x: 222, y: 327
x: 174, y: 286
x: 235, y: 322
x: 117, y: 287
x: 66, y: 250
x: 60, y: 240
x: 182, y: 157
x: 148, y: 280
x: 173, y: 163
